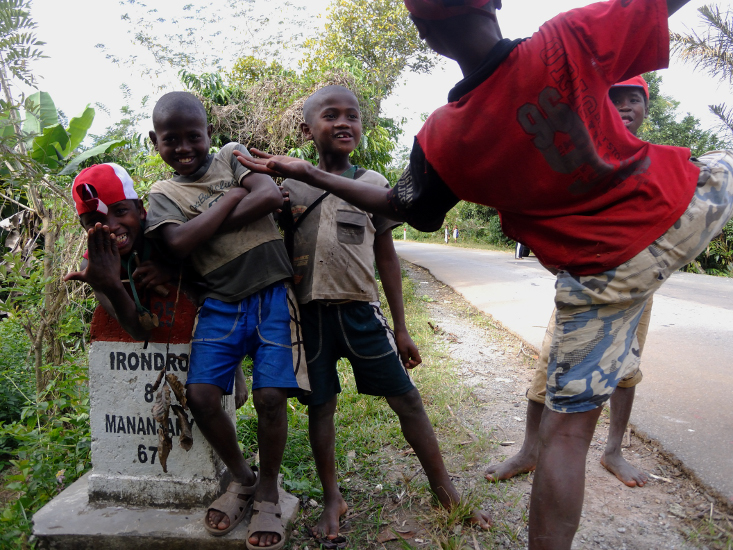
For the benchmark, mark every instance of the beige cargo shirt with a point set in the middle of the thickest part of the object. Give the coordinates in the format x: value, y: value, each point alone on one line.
x: 333, y: 252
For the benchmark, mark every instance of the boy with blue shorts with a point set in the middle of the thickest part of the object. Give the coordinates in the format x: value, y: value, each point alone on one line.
x: 530, y: 131
x: 217, y: 213
x: 334, y: 248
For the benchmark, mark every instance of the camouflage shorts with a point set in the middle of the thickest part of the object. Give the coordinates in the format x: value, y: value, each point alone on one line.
x: 594, y: 344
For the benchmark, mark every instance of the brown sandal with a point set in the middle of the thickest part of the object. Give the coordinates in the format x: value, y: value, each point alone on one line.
x: 234, y: 503
x: 266, y: 518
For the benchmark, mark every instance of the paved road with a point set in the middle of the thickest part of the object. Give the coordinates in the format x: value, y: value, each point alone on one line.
x: 686, y: 399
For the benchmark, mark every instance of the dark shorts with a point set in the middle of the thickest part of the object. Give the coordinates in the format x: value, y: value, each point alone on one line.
x: 359, y: 332
x: 258, y: 326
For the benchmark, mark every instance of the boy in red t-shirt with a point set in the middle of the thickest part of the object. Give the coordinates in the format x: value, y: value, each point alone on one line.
x: 631, y: 98
x: 530, y: 131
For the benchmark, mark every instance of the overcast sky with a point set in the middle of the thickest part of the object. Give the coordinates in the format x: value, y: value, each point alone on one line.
x: 77, y: 73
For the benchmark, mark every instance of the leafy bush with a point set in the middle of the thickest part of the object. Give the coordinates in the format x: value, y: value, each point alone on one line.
x: 16, y: 373
x: 52, y: 449
x: 717, y: 258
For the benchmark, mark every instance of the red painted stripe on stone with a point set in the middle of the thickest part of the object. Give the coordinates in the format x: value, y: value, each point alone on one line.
x: 106, y: 329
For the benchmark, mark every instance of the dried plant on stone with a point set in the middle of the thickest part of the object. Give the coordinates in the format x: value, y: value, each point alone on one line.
x: 161, y: 412
x: 186, y: 438
x: 178, y: 389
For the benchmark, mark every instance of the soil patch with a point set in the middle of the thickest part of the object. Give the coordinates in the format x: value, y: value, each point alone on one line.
x: 499, y: 369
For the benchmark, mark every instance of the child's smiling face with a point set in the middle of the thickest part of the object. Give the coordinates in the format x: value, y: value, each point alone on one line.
x: 335, y: 124
x: 183, y: 140
x: 631, y: 104
x: 124, y: 219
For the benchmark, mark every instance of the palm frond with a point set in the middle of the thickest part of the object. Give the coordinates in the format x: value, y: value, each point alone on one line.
x: 725, y: 114
x: 712, y: 50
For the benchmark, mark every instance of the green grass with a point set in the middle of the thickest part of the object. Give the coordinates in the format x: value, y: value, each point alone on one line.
x: 714, y: 533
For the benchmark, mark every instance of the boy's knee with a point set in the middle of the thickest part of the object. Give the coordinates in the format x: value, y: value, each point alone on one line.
x: 322, y: 411
x: 203, y: 399
x: 407, y: 404
x: 269, y: 401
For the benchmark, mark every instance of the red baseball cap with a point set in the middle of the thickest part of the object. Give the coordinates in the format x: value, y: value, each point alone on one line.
x: 101, y: 185
x: 443, y: 9
x: 636, y: 82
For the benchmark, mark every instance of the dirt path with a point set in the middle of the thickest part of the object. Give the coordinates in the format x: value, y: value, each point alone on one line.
x: 664, y: 514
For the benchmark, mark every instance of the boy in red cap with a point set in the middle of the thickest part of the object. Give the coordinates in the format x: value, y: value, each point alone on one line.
x: 631, y: 99
x: 113, y: 216
x: 530, y: 131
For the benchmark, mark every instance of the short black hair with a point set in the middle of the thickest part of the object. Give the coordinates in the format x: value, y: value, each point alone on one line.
x: 177, y: 102
x: 315, y: 100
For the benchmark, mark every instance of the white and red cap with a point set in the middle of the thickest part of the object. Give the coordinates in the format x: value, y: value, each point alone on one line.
x: 101, y: 185
x: 443, y: 9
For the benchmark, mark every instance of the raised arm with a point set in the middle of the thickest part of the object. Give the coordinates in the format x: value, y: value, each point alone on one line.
x: 390, y: 273
x: 371, y: 198
x: 674, y: 5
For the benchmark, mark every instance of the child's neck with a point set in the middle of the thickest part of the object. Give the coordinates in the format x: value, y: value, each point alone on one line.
x: 334, y: 164
x: 137, y: 246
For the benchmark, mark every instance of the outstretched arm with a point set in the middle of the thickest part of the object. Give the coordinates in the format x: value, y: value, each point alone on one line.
x: 371, y: 198
x: 102, y: 273
x: 390, y: 273
x: 674, y: 5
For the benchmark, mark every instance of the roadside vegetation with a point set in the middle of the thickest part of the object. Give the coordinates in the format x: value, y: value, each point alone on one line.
x: 367, y: 45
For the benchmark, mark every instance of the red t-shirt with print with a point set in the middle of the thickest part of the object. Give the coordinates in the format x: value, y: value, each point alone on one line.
x: 540, y: 141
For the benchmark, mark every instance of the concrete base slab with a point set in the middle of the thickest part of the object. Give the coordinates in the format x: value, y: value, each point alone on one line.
x: 71, y: 522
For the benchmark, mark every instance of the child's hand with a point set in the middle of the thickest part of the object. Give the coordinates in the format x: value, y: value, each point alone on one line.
x: 103, y: 268
x: 286, y: 198
x: 281, y: 165
x: 149, y: 275
x: 240, y: 388
x: 407, y: 349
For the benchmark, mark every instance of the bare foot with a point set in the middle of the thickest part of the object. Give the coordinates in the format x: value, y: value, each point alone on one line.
x: 625, y: 472
x: 328, y: 523
x: 520, y: 463
x: 482, y: 519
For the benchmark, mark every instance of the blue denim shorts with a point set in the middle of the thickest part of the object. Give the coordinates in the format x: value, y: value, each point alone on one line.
x: 359, y: 332
x: 258, y: 326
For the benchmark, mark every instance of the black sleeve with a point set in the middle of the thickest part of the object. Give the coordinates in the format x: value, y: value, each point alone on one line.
x: 421, y: 197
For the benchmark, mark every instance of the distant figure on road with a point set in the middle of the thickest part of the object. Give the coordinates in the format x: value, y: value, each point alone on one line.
x: 404, y: 233
x: 455, y: 234
x: 447, y: 234
x: 520, y: 251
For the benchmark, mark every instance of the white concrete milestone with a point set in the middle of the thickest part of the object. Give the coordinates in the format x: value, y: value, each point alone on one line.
x: 126, y: 466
